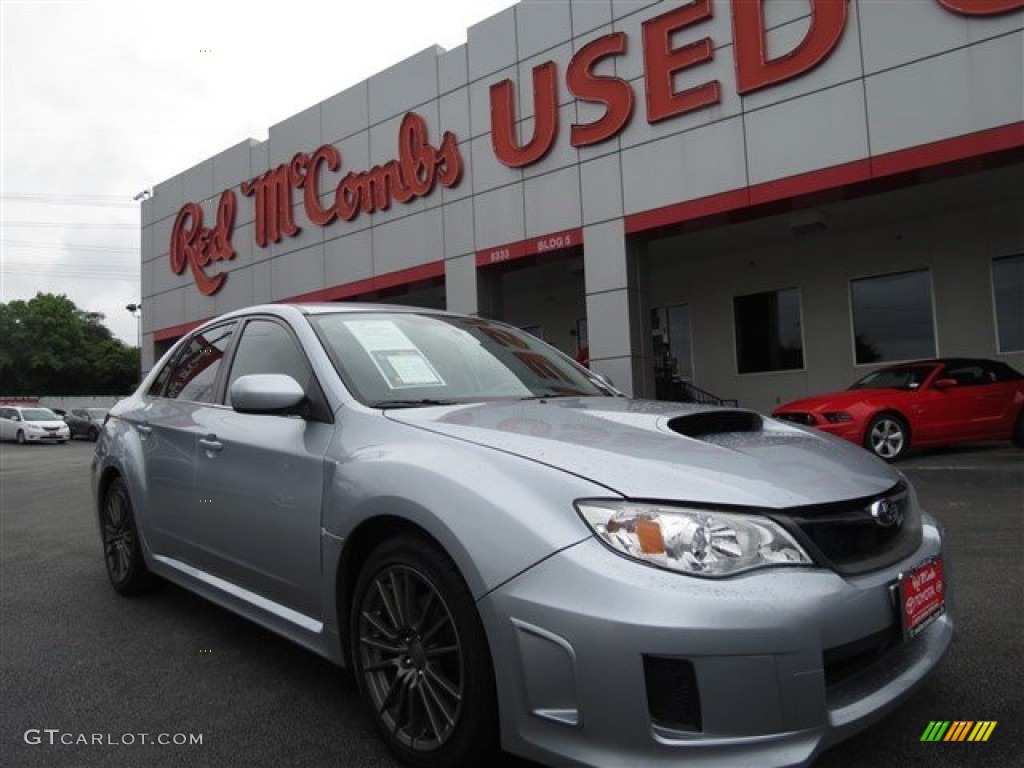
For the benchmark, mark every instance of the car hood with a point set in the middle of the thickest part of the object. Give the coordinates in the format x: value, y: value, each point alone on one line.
x: 654, y: 450
x: 830, y: 401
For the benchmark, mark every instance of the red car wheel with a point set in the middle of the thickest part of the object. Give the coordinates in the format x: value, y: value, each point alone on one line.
x: 888, y: 437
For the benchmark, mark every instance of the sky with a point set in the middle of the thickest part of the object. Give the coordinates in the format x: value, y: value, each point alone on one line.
x: 101, y: 99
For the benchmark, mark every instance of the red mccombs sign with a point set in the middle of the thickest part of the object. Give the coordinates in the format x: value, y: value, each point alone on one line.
x: 420, y: 166
x: 417, y: 170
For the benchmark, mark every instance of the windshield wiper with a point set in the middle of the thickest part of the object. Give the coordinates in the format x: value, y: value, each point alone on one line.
x: 411, y: 403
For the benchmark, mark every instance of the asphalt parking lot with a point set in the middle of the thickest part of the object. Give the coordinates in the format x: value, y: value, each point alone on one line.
x: 79, y: 659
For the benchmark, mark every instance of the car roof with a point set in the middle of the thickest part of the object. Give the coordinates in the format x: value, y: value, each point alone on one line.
x: 292, y: 310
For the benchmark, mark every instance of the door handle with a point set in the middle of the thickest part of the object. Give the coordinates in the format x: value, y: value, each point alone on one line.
x: 211, y: 443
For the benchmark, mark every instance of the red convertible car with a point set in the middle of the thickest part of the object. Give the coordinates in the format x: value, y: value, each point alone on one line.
x: 930, y: 402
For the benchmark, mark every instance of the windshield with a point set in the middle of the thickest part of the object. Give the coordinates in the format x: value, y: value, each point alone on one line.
x: 904, y: 377
x: 394, y: 359
x: 39, y: 414
x: 96, y: 414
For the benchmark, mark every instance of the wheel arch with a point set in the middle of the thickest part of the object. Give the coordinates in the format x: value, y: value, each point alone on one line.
x: 363, y: 540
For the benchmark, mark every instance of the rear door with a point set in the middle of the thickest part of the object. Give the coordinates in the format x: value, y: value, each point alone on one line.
x: 168, y: 431
x: 261, y: 476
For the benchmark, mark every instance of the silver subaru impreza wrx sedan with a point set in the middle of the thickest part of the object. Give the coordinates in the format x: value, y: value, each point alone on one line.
x: 512, y: 555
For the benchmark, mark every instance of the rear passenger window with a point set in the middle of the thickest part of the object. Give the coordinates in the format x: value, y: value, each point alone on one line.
x: 195, y: 372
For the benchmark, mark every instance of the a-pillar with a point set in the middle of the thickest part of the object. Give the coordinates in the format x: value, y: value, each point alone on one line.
x: 617, y: 307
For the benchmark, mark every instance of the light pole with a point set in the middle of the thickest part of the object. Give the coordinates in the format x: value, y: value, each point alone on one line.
x: 136, y: 311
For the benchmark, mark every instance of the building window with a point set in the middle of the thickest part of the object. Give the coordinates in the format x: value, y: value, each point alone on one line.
x: 892, y: 317
x: 673, y: 351
x: 1008, y: 289
x: 769, y: 336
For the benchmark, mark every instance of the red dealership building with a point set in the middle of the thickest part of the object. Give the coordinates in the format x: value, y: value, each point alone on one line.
x: 765, y: 198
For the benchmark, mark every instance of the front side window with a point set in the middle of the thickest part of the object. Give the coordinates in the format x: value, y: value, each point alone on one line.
x: 195, y: 371
x: 769, y: 336
x: 266, y: 347
x: 892, y: 317
x: 395, y: 359
x: 1008, y: 287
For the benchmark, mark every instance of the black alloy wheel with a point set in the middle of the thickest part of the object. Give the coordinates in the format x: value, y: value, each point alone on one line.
x: 888, y: 437
x: 122, y: 552
x: 421, y: 657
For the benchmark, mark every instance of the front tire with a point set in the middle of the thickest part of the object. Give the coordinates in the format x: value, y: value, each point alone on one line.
x: 888, y: 437
x: 94, y: 434
x: 122, y: 550
x: 21, y: 438
x: 421, y: 659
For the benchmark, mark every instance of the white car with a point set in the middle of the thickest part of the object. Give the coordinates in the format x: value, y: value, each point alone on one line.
x: 33, y: 424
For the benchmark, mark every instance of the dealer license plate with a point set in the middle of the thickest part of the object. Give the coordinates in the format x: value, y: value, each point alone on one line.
x: 922, y: 596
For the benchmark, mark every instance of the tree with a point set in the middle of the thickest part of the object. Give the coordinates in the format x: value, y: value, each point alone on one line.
x: 48, y: 346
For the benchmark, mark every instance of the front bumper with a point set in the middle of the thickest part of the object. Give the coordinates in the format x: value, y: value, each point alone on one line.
x: 47, y: 437
x: 570, y: 638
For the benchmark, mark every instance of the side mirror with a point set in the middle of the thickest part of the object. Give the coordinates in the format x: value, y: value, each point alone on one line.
x: 272, y: 393
x: 945, y: 383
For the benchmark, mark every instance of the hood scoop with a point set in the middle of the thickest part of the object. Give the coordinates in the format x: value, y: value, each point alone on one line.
x: 717, y: 422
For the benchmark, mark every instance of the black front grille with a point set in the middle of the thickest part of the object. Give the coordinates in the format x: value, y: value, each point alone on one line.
x: 848, y: 537
x: 845, y: 661
x: 806, y: 419
x: 673, y: 699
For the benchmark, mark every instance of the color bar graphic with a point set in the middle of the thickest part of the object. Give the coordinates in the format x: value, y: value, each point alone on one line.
x: 958, y: 730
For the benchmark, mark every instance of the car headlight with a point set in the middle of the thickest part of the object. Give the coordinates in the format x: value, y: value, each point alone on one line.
x: 838, y: 417
x: 698, y: 542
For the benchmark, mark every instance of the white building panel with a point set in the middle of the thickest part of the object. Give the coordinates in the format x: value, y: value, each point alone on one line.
x: 492, y: 44
x: 622, y: 8
x: 898, y: 33
x: 524, y: 88
x: 259, y: 158
x: 231, y: 167
x: 197, y: 306
x: 348, y: 259
x: 480, y: 100
x: 821, y: 130
x: 486, y: 170
x: 540, y: 25
x: 453, y: 69
x: 718, y: 28
x: 562, y: 154
x: 687, y: 166
x: 455, y: 118
x: 355, y: 156
x: 601, y: 187
x: 588, y: 15
x: 404, y: 86
x: 237, y: 291
x: 498, y: 217
x: 308, y: 234
x: 603, y: 257
x: 408, y: 242
x: 297, y: 272
x: 842, y: 65
x: 458, y: 228
x: 299, y: 133
x: 262, y: 273
x: 164, y: 310
x: 345, y: 113
x: 552, y: 202
x: 720, y: 69
x: 162, y: 237
x: 460, y: 284
x: 168, y: 197
x: 960, y: 92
